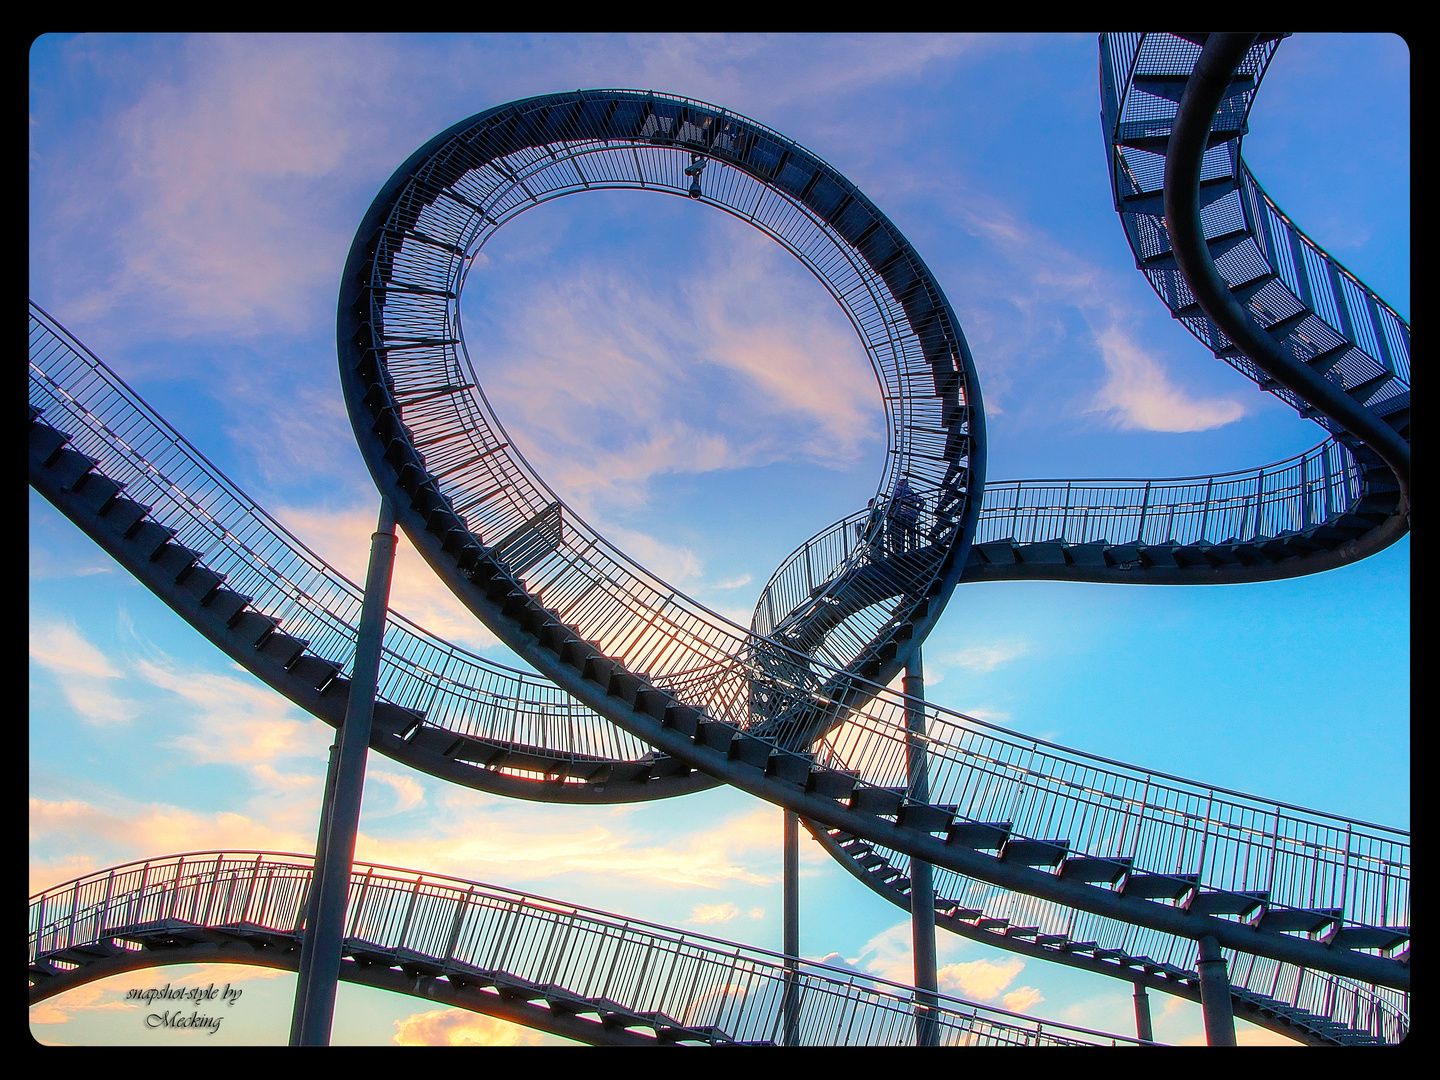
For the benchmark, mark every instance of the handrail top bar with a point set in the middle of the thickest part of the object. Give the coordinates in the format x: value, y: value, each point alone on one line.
x: 1167, y: 480
x: 306, y: 862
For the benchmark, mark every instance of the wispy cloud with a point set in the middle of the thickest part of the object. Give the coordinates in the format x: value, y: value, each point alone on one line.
x: 983, y: 658
x: 1139, y: 393
x: 457, y: 1027
x: 1025, y: 306
x: 82, y: 671
x: 713, y: 913
x: 727, y: 358
x: 981, y: 980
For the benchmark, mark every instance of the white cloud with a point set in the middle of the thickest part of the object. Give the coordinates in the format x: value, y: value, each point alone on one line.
x: 980, y: 980
x: 983, y: 658
x: 1021, y: 999
x: 457, y: 1027
x: 82, y: 672
x: 1140, y: 395
x: 713, y: 913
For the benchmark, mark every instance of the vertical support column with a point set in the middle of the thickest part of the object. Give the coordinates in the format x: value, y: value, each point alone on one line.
x: 340, y: 815
x: 1215, y: 994
x: 1143, y: 1031
x: 792, y: 927
x: 922, y: 888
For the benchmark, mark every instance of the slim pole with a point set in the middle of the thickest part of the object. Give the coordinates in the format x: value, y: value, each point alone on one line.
x: 312, y: 897
x: 1215, y: 995
x: 792, y: 927
x: 335, y: 851
x: 922, y: 888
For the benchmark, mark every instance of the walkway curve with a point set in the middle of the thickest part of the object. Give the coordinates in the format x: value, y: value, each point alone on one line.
x: 558, y: 967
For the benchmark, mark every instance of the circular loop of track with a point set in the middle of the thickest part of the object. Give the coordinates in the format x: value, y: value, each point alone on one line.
x: 434, y: 445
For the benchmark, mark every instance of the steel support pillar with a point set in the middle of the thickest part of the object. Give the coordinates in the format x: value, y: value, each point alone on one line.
x: 340, y: 814
x: 792, y: 927
x: 922, y: 888
x: 1143, y: 1031
x: 1215, y: 995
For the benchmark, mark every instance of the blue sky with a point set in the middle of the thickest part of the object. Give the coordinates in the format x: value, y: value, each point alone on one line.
x: 693, y: 392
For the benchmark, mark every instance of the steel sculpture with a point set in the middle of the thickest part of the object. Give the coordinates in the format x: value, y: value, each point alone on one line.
x: 1036, y: 848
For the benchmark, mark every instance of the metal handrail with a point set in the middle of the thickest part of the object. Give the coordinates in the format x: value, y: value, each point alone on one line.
x: 458, y: 690
x: 711, y: 989
x: 1313, y: 488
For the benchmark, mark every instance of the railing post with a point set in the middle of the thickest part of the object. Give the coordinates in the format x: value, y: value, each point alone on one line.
x: 1259, y: 503
x: 1205, y: 514
x: 1144, y: 509
x: 1304, y: 493
x: 316, y: 1012
x: 922, y: 889
x: 791, y: 1007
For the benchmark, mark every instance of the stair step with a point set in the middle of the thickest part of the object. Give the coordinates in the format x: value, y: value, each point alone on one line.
x: 253, y: 628
x: 96, y: 493
x: 1159, y: 886
x: 1094, y: 871
x: 68, y: 467
x: 1367, y: 937
x: 226, y: 604
x: 282, y: 647
x: 201, y: 583
x: 150, y: 537
x: 1034, y: 852
x: 46, y: 442
x: 881, y: 802
x: 1153, y: 203
x: 981, y: 835
x: 175, y: 559
x: 124, y: 514
x: 831, y: 783
x: 1221, y: 902
x: 925, y: 818
x: 314, y: 671
x: 1172, y: 86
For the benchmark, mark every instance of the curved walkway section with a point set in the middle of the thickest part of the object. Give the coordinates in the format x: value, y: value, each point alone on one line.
x: 503, y: 540
x: 1238, y: 273
x: 574, y: 971
x: 1313, y: 1007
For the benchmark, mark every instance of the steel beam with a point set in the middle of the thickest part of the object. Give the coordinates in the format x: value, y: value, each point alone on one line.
x: 922, y: 888
x: 340, y: 816
x: 792, y: 927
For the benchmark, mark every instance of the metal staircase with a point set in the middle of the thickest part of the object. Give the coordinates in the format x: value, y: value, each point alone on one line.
x: 1076, y: 857
x: 588, y: 975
